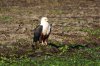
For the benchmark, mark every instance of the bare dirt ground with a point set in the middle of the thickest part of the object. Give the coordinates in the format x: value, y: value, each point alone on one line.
x: 73, y: 23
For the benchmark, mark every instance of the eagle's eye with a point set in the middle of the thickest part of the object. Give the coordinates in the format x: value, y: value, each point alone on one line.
x: 46, y: 19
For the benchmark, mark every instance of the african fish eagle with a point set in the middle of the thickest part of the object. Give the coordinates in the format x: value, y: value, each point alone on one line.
x: 42, y: 31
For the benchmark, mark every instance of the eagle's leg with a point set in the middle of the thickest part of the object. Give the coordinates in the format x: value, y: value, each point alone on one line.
x: 46, y: 40
x: 42, y: 42
x: 46, y: 43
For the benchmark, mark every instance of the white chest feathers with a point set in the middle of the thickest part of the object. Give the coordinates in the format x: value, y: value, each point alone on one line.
x: 46, y: 28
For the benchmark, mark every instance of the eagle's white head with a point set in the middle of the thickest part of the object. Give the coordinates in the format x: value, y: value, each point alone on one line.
x: 46, y: 25
x: 44, y: 20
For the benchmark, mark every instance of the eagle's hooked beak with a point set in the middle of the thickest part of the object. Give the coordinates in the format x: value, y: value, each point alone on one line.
x: 46, y: 20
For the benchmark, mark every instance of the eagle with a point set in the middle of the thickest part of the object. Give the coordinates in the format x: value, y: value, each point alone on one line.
x: 42, y: 32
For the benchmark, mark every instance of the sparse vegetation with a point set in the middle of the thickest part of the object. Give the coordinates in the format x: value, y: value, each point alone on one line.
x: 5, y: 19
x: 85, y: 57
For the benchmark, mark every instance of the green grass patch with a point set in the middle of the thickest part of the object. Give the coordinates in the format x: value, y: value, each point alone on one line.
x: 56, y: 11
x: 81, y: 57
x: 6, y: 19
x: 95, y: 32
